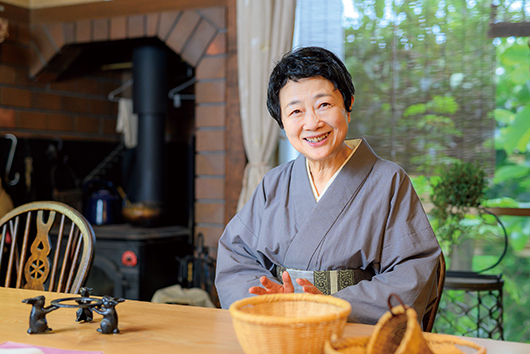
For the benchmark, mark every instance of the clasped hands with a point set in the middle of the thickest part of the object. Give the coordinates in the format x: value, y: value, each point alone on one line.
x: 271, y: 287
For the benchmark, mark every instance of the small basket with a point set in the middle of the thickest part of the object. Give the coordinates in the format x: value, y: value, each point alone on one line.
x: 288, y: 323
x: 398, y: 331
x: 437, y: 343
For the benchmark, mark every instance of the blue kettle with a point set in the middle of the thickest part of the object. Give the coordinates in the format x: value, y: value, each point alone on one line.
x: 103, y: 205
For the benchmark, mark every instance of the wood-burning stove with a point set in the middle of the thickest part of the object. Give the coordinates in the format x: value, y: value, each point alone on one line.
x: 133, y: 262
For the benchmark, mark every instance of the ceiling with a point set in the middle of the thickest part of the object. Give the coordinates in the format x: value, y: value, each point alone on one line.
x: 39, y: 4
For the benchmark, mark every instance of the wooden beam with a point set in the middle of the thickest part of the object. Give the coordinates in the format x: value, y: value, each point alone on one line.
x: 509, y: 29
x: 116, y: 8
x: 510, y: 211
x: 15, y: 13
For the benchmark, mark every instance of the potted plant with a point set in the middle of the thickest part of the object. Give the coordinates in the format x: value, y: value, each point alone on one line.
x: 457, y: 196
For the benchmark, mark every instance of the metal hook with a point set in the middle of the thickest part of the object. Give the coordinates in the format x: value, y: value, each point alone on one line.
x: 177, y: 97
x: 112, y: 95
x: 10, y: 161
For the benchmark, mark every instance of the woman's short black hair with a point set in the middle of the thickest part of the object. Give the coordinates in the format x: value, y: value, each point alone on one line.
x: 307, y: 62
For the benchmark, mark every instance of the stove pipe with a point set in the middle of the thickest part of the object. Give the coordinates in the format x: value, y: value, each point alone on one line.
x: 150, y: 104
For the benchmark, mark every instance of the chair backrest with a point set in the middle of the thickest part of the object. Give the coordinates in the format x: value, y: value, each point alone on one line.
x: 45, y: 246
x: 428, y: 318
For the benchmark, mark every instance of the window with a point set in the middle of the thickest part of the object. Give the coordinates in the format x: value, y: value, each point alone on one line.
x: 423, y: 73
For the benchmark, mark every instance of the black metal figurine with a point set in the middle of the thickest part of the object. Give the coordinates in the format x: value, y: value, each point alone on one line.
x: 109, y: 323
x: 84, y: 313
x: 37, y: 317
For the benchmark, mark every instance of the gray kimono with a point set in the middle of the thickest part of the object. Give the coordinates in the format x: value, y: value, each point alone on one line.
x: 370, y: 218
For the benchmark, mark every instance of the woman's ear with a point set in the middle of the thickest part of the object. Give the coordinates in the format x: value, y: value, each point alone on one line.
x: 351, y: 107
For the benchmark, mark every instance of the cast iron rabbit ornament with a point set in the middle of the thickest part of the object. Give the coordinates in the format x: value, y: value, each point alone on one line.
x: 109, y: 323
x: 37, y: 317
x: 84, y: 314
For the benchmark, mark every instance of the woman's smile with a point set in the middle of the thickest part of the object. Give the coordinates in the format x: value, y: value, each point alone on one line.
x: 317, y: 139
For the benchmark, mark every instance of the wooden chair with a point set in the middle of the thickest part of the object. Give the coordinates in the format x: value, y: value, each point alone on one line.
x: 428, y: 318
x: 45, y: 246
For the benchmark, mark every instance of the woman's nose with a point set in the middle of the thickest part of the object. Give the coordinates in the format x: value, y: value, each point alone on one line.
x: 312, y: 120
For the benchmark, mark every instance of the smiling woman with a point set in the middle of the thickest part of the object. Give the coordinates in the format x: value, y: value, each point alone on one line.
x: 338, y: 220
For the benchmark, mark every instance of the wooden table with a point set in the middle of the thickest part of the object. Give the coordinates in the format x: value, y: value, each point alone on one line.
x: 150, y: 328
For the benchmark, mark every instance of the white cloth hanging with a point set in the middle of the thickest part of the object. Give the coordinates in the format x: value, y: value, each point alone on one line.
x: 127, y: 122
x: 265, y: 33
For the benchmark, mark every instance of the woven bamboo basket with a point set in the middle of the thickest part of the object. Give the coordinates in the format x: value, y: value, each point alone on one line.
x: 438, y: 343
x: 399, y: 332
x: 288, y: 323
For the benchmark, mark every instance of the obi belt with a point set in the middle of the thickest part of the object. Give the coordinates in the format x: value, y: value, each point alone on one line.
x: 327, y: 281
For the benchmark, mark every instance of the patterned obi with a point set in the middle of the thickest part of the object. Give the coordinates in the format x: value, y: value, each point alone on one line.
x: 327, y: 281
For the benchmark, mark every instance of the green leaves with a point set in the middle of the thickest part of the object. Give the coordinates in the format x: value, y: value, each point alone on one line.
x: 509, y: 172
x: 519, y: 75
x: 513, y: 95
x: 444, y: 105
x: 438, y: 104
x: 513, y: 75
x: 514, y: 55
x: 517, y: 135
x: 460, y: 188
x: 504, y: 116
x: 415, y: 109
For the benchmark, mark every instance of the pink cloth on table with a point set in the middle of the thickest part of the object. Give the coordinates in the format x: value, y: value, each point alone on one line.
x: 46, y: 350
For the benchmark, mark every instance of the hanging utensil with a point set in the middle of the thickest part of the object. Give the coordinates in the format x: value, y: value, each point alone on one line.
x: 10, y: 161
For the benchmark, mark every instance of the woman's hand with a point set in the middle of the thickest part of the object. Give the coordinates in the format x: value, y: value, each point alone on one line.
x: 270, y: 287
x: 308, y: 286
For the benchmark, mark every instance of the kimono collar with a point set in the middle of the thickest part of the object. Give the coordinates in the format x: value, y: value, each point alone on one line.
x: 352, y: 144
x: 357, y: 167
x: 314, y: 218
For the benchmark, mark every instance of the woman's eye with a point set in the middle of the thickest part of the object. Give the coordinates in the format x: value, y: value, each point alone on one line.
x: 295, y: 112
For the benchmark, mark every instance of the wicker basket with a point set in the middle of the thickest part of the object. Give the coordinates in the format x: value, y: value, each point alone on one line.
x: 399, y: 332
x: 288, y: 323
x: 438, y: 344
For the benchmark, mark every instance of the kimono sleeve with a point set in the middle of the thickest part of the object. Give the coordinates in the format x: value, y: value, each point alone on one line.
x: 408, y: 258
x: 239, y: 264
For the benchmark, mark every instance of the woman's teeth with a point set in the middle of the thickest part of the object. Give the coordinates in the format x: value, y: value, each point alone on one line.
x: 318, y: 138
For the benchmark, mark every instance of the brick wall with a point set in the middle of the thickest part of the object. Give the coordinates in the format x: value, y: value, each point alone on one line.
x: 71, y: 109
x: 79, y: 108
x: 210, y: 130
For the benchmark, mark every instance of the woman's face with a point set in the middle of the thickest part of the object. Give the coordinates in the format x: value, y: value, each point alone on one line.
x: 314, y: 118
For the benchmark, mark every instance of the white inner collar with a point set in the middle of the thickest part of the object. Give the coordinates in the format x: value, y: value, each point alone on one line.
x: 353, y: 144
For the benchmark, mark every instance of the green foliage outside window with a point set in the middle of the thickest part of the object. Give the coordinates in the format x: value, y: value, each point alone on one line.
x: 458, y: 190
x: 406, y: 57
x: 510, y: 187
x: 434, y: 131
x: 512, y: 115
x: 414, y: 104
